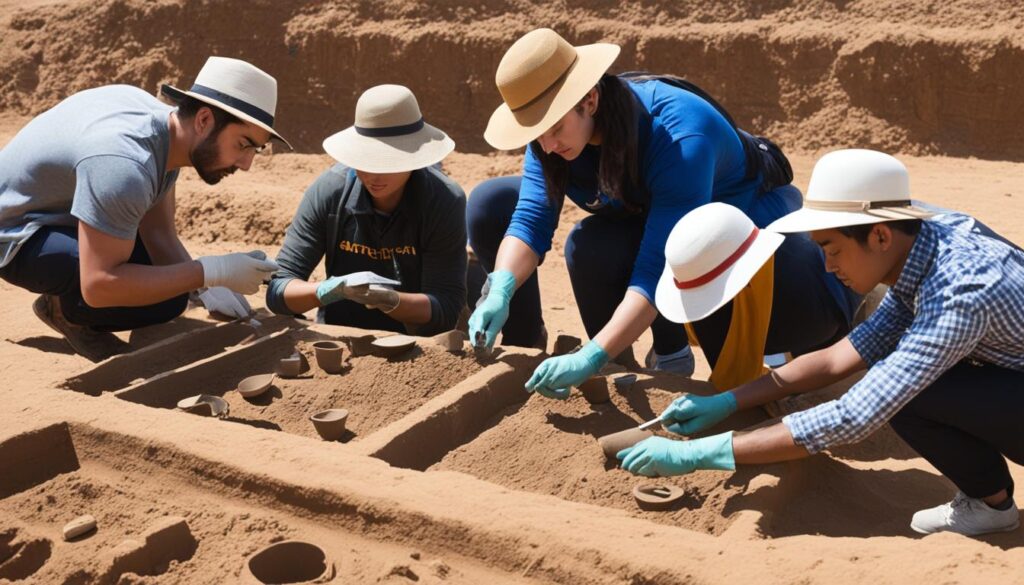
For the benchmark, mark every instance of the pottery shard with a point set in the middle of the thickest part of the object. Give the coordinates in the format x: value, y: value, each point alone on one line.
x: 79, y: 526
x: 565, y: 344
x: 168, y: 539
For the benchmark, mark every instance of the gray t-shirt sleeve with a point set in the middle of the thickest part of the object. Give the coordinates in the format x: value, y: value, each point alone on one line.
x: 112, y: 194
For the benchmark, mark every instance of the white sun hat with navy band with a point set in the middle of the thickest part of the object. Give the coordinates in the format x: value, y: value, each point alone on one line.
x: 710, y: 255
x: 239, y: 88
x: 389, y: 134
x: 853, y: 187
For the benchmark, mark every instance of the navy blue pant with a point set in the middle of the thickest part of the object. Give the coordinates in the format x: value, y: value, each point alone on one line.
x: 965, y: 423
x: 599, y: 254
x: 48, y: 264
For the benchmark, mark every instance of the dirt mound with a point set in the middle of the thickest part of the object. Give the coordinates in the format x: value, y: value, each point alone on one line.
x: 907, y: 76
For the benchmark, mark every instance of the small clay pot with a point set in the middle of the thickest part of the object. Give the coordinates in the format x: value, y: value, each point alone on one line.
x: 255, y: 385
x: 655, y: 496
x: 292, y: 366
x: 204, y: 405
x: 615, y: 442
x: 288, y: 561
x: 393, y: 345
x: 328, y: 356
x: 451, y: 341
x: 565, y: 344
x: 624, y: 382
x: 595, y: 390
x: 330, y: 423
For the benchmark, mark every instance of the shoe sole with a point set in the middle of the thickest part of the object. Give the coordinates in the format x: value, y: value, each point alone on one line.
x: 1015, y: 526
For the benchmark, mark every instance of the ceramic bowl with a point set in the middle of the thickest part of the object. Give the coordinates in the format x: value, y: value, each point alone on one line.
x: 255, y: 385
x: 393, y: 345
x: 330, y: 423
x: 204, y: 405
x: 654, y: 496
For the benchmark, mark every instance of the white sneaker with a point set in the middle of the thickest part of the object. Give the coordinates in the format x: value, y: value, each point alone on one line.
x: 968, y: 516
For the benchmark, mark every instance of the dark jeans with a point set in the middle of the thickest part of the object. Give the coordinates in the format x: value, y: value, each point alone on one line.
x: 48, y: 264
x: 599, y: 254
x: 965, y: 423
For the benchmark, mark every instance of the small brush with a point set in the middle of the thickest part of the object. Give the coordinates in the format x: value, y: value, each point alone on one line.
x: 649, y: 424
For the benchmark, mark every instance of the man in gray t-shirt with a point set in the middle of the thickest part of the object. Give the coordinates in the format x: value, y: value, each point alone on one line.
x: 87, y: 203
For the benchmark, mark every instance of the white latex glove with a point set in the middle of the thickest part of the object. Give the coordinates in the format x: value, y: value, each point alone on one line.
x: 374, y: 296
x: 222, y: 300
x: 242, y: 273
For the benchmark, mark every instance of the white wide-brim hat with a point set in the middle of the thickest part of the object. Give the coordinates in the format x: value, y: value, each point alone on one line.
x: 541, y: 78
x: 853, y: 187
x: 710, y: 255
x: 389, y: 134
x: 239, y: 88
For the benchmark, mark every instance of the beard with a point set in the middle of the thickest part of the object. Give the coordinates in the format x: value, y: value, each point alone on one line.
x: 204, y: 158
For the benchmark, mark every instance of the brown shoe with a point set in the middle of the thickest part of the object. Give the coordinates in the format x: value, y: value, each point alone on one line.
x: 93, y: 345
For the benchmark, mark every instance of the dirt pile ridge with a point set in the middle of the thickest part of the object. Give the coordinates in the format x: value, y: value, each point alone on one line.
x: 917, y: 77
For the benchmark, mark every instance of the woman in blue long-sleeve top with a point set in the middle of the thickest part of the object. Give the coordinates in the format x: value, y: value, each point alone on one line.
x: 637, y: 155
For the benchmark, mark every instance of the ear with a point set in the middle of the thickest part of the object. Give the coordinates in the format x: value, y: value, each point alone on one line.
x: 881, y: 237
x: 203, y: 122
x: 590, y: 102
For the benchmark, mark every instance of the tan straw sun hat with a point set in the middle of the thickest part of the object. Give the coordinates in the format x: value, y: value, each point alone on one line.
x: 239, y: 88
x: 540, y: 78
x: 389, y: 134
x: 853, y: 187
x: 710, y: 255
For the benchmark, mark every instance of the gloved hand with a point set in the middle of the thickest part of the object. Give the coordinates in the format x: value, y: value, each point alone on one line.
x: 222, y: 300
x: 691, y: 414
x: 373, y: 296
x: 492, y: 309
x: 242, y: 273
x: 555, y: 375
x: 661, y: 457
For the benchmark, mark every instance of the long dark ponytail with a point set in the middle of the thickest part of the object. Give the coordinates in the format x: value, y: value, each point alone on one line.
x: 615, y: 122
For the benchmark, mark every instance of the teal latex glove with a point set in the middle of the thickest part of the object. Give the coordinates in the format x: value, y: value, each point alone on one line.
x: 554, y: 376
x: 492, y: 310
x: 691, y: 414
x: 661, y: 457
x: 331, y: 290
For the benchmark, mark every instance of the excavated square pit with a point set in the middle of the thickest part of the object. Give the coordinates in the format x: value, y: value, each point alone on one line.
x: 375, y: 390
x: 133, y: 487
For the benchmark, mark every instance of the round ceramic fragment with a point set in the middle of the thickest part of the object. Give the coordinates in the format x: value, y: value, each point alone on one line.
x: 330, y: 423
x: 289, y: 561
x: 393, y: 345
x: 79, y: 526
x: 204, y: 405
x: 656, y: 496
x: 255, y: 385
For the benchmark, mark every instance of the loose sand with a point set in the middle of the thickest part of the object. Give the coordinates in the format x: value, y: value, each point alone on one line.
x: 530, y: 498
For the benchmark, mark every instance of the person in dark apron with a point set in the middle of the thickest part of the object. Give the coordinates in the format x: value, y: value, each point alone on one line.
x: 388, y: 224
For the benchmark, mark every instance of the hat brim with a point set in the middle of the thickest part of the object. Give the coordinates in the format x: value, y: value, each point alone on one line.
x: 176, y: 95
x: 688, y: 305
x: 508, y: 130
x: 809, y: 220
x: 389, y: 154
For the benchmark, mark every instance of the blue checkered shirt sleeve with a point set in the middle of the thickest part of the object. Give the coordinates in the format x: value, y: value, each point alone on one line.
x: 945, y: 330
x: 878, y: 336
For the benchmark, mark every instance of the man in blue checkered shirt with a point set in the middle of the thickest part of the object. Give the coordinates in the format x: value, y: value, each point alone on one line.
x: 944, y: 351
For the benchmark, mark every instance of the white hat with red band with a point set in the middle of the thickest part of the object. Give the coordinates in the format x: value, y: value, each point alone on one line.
x: 710, y: 255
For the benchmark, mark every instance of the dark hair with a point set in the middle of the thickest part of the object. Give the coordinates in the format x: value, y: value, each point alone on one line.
x: 189, y: 106
x: 615, y: 122
x: 911, y: 227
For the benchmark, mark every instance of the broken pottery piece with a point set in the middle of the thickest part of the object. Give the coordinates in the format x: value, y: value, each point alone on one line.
x: 292, y: 366
x: 204, y: 405
x: 330, y: 423
x: 654, y: 496
x: 624, y: 382
x: 328, y: 356
x: 451, y: 340
x: 79, y: 526
x: 595, y: 390
x: 615, y: 442
x: 393, y: 345
x: 255, y: 385
x: 565, y: 344
x: 289, y: 561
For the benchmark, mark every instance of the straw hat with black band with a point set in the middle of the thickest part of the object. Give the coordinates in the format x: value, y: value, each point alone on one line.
x: 541, y: 78
x: 239, y: 88
x: 853, y: 187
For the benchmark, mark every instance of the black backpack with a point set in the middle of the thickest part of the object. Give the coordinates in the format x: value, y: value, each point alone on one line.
x: 762, y: 155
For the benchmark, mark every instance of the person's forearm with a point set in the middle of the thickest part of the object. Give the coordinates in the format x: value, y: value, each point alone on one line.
x: 300, y: 296
x: 768, y: 445
x: 413, y: 308
x: 165, y: 249
x: 518, y: 258
x: 632, y: 317
x: 805, y: 373
x: 138, y: 285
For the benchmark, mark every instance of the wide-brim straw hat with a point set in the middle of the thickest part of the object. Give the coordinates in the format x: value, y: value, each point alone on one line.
x: 239, y: 88
x: 540, y: 78
x: 853, y: 187
x: 710, y: 255
x: 389, y: 134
